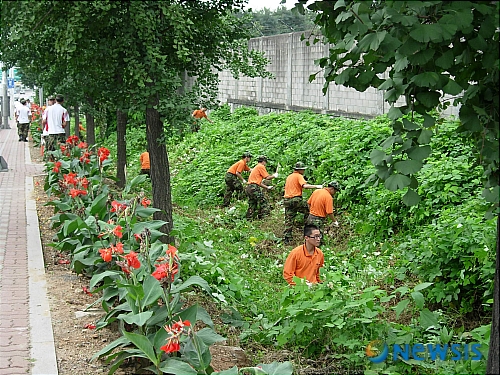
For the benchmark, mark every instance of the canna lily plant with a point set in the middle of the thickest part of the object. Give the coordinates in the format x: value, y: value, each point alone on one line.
x: 112, y: 239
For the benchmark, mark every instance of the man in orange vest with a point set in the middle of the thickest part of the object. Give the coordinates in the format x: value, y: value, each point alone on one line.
x: 305, y: 260
x: 145, y: 166
x: 257, y: 202
x: 234, y: 178
x: 293, y: 202
x: 198, y: 115
x: 321, y: 206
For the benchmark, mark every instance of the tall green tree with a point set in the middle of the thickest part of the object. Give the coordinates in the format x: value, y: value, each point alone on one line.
x: 141, y: 52
x: 428, y: 54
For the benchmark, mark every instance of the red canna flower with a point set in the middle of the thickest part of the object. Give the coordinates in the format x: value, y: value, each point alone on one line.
x: 172, y: 251
x: 178, y: 326
x: 82, y: 145
x: 84, y: 182
x: 145, y: 202
x: 138, y: 237
x: 160, y: 272
x: 171, y: 347
x: 70, y: 179
x: 57, y: 167
x: 132, y: 260
x: 103, y: 153
x: 63, y: 148
x: 118, y: 231
x: 72, y: 140
x: 118, y: 248
x: 86, y: 291
x: 106, y: 254
x: 76, y: 193
x: 165, y: 271
x: 117, y: 206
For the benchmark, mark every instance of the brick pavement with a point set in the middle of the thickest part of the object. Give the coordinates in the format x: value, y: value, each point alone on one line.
x: 26, y: 341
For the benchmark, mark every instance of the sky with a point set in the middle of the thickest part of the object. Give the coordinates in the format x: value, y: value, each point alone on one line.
x: 269, y: 4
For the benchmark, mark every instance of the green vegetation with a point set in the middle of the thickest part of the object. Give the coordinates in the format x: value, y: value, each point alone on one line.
x: 402, y: 275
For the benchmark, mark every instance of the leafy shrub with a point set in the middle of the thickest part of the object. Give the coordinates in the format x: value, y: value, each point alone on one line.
x: 456, y: 252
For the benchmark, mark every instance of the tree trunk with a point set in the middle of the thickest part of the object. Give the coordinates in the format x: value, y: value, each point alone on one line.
x: 77, y: 120
x: 160, y: 170
x: 67, y: 129
x: 493, y: 364
x: 121, y: 131
x: 89, y: 118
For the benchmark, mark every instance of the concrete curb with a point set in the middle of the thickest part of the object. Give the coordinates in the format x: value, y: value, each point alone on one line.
x: 41, y: 336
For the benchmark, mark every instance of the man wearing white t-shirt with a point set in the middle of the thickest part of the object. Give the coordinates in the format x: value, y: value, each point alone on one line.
x: 23, y: 114
x: 57, y: 118
x: 45, y: 127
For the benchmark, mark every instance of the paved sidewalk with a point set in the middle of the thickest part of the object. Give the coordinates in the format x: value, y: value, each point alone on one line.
x: 26, y: 338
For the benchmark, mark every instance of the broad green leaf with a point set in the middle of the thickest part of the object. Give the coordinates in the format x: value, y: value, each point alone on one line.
x: 231, y: 371
x: 136, y: 181
x: 208, y: 336
x: 152, y: 291
x: 427, y: 33
x: 407, y: 167
x: 425, y: 137
x: 401, y: 63
x: 429, y: 99
x: 491, y: 195
x: 197, y: 353
x: 277, y: 368
x: 427, y: 79
x: 377, y: 157
x: 394, y: 113
x: 478, y: 43
x: 409, y: 125
x: 428, y: 319
x: 137, y: 319
x: 452, y: 88
x: 98, y: 277
x: 428, y: 121
x: 446, y: 60
x: 110, y: 347
x: 160, y: 338
x: 387, y: 84
x: 419, y: 299
x: 421, y: 57
x: 193, y: 280
x: 142, y: 343
x: 419, y: 152
x: 70, y: 226
x: 99, y: 204
x: 397, y: 181
x: 411, y: 198
x: 146, y: 212
x: 388, y: 142
x: 422, y: 286
x: 401, y: 306
x: 470, y: 119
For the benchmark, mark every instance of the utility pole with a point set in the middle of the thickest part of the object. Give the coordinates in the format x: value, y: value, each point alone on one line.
x: 5, y: 100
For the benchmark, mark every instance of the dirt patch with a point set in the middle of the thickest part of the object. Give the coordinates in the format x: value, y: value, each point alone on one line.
x: 72, y: 311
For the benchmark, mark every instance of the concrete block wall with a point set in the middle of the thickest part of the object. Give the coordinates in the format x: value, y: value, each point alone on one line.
x: 291, y: 63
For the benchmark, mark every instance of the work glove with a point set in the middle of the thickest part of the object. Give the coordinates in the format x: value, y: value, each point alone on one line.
x: 275, y: 175
x: 336, y: 223
x: 270, y: 187
x: 244, y: 181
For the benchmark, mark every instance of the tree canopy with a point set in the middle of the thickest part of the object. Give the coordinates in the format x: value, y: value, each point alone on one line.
x: 131, y: 56
x: 424, y: 55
